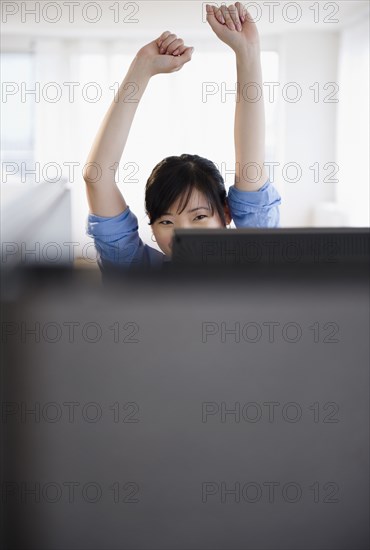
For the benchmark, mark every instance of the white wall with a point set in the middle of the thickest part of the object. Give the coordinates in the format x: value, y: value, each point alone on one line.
x: 307, y: 128
x: 353, y: 123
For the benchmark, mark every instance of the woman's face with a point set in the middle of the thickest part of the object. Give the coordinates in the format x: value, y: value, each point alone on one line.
x: 196, y: 215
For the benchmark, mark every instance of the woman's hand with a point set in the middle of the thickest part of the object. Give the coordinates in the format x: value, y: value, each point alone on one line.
x: 234, y: 26
x: 166, y: 54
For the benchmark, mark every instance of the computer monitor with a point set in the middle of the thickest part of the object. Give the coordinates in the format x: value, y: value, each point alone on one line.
x: 187, y: 411
x: 263, y: 246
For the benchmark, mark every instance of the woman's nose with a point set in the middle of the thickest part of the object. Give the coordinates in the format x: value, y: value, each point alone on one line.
x: 184, y: 224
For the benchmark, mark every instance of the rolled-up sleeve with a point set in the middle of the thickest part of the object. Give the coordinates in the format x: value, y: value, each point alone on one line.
x: 117, y: 240
x: 255, y: 208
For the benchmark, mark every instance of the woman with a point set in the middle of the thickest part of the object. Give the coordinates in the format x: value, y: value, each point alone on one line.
x: 186, y: 191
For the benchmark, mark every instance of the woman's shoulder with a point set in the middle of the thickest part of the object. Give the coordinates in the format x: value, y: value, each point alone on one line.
x: 98, y: 225
x: 255, y: 208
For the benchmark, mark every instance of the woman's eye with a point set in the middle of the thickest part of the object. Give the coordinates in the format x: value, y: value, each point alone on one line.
x: 167, y: 222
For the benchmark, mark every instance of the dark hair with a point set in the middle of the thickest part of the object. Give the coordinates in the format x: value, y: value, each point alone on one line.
x: 174, y: 176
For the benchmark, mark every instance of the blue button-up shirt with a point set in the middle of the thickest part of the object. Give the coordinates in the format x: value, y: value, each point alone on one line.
x: 117, y: 239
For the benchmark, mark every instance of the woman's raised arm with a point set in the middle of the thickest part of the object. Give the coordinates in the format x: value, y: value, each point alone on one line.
x: 234, y: 26
x: 163, y: 55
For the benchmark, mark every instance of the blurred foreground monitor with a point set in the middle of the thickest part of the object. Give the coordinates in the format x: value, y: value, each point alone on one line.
x: 189, y: 408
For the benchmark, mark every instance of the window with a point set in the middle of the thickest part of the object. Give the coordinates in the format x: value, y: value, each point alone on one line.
x: 17, y: 113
